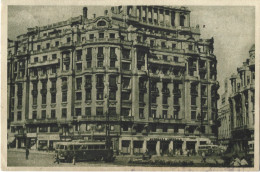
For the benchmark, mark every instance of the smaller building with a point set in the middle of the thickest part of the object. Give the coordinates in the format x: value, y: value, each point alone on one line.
x: 242, y: 104
x: 224, y: 116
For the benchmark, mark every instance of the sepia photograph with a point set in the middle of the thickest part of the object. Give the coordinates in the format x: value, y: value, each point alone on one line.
x: 113, y: 86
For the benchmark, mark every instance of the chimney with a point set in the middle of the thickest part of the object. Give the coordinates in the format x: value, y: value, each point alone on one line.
x: 105, y: 12
x: 85, y: 13
x: 94, y: 15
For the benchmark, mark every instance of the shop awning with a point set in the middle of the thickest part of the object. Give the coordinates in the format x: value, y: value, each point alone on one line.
x: 10, y: 139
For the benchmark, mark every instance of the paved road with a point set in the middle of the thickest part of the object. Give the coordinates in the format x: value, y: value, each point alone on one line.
x: 16, y: 158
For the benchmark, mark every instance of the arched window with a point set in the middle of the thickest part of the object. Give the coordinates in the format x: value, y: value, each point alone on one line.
x: 101, y: 23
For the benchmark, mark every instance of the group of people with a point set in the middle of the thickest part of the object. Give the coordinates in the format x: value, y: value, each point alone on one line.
x: 236, y: 162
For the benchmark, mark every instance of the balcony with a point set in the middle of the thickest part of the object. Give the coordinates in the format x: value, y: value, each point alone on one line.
x: 43, y: 76
x: 166, y: 91
x: 66, y: 45
x: 163, y: 62
x: 43, y: 63
x: 155, y: 91
x: 113, y: 86
x: 34, y: 92
x: 20, y: 53
x: 113, y: 56
x: 127, y: 118
x: 43, y: 91
x: 35, y: 77
x: 88, y: 86
x: 100, y: 85
x: 176, y: 91
x: 41, y: 121
x: 100, y: 56
x: 98, y: 118
x: 53, y: 90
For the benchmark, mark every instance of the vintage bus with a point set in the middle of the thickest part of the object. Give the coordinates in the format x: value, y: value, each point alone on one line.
x: 83, y: 151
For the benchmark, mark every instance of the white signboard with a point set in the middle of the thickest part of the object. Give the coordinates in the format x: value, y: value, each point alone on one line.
x: 49, y: 137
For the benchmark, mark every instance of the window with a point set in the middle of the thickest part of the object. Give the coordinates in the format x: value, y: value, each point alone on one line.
x: 141, y: 97
x: 57, y: 43
x: 78, y: 83
x: 176, y: 59
x: 79, y: 54
x: 100, y: 80
x: 34, y: 100
x: 38, y: 47
x: 89, y: 54
x: 43, y: 114
x: 112, y: 63
x: 48, y: 45
x: 141, y: 113
x: 190, y: 47
x: 34, y: 115
x: 99, y: 94
x: 54, y: 128
x: 165, y: 99
x: 193, y: 100
x: 112, y: 95
x: 153, y: 115
x: 68, y: 40
x: 193, y: 115
x: 79, y: 66
x: 43, y: 129
x: 151, y: 43
x: 125, y: 82
x: 112, y: 81
x: 64, y: 96
x: 53, y: 84
x: 126, y: 53
x: 165, y: 114
x: 88, y: 64
x: 43, y: 99
x: 36, y: 59
x: 111, y: 35
x: 176, y: 129
x: 125, y: 112
x: 100, y: 52
x: 88, y: 95
x: 164, y: 58
x: 176, y: 100
x: 153, y: 127
x: 101, y: 35
x: 101, y: 23
x: 91, y: 36
x: 78, y: 111
x: 100, y: 63
x: 163, y: 44
x: 173, y: 46
x: 165, y: 128
x: 78, y: 96
x: 112, y: 111
x: 88, y: 111
x: 99, y: 111
x: 64, y: 113
x: 53, y: 114
x: 154, y: 98
x: 53, y: 70
x: 125, y: 96
x: 176, y: 114
x: 125, y: 127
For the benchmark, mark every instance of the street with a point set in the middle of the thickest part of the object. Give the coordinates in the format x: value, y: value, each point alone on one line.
x: 17, y: 158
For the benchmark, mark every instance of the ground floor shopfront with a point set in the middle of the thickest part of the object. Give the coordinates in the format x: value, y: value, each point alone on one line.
x: 161, y: 146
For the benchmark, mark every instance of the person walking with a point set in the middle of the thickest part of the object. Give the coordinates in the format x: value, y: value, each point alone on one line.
x: 57, y: 159
x: 74, y: 158
x: 203, y: 157
x: 27, y: 153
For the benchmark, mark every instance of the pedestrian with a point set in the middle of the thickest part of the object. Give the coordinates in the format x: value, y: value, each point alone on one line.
x: 27, y: 153
x: 74, y: 158
x: 57, y: 159
x: 203, y: 157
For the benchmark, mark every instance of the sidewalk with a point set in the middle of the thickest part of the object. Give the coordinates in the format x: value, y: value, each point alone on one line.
x: 31, y: 151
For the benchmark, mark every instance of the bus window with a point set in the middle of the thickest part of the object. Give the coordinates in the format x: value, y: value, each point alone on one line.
x: 70, y: 147
x: 102, y: 146
x: 76, y: 147
x: 90, y: 147
x: 84, y: 147
x: 96, y: 146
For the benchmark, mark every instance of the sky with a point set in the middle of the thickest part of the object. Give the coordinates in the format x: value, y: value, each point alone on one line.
x: 232, y: 27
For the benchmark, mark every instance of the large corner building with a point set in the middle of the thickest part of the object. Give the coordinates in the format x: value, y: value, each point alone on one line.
x: 141, y: 69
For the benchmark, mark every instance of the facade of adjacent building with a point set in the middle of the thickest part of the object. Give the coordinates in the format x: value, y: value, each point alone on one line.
x: 242, y: 104
x: 224, y: 115
x: 141, y: 72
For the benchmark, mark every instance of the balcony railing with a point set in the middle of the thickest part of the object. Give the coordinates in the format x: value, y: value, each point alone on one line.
x: 53, y: 90
x: 100, y: 55
x: 166, y: 91
x: 88, y: 85
x: 155, y: 91
x: 177, y: 91
x: 100, y: 85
